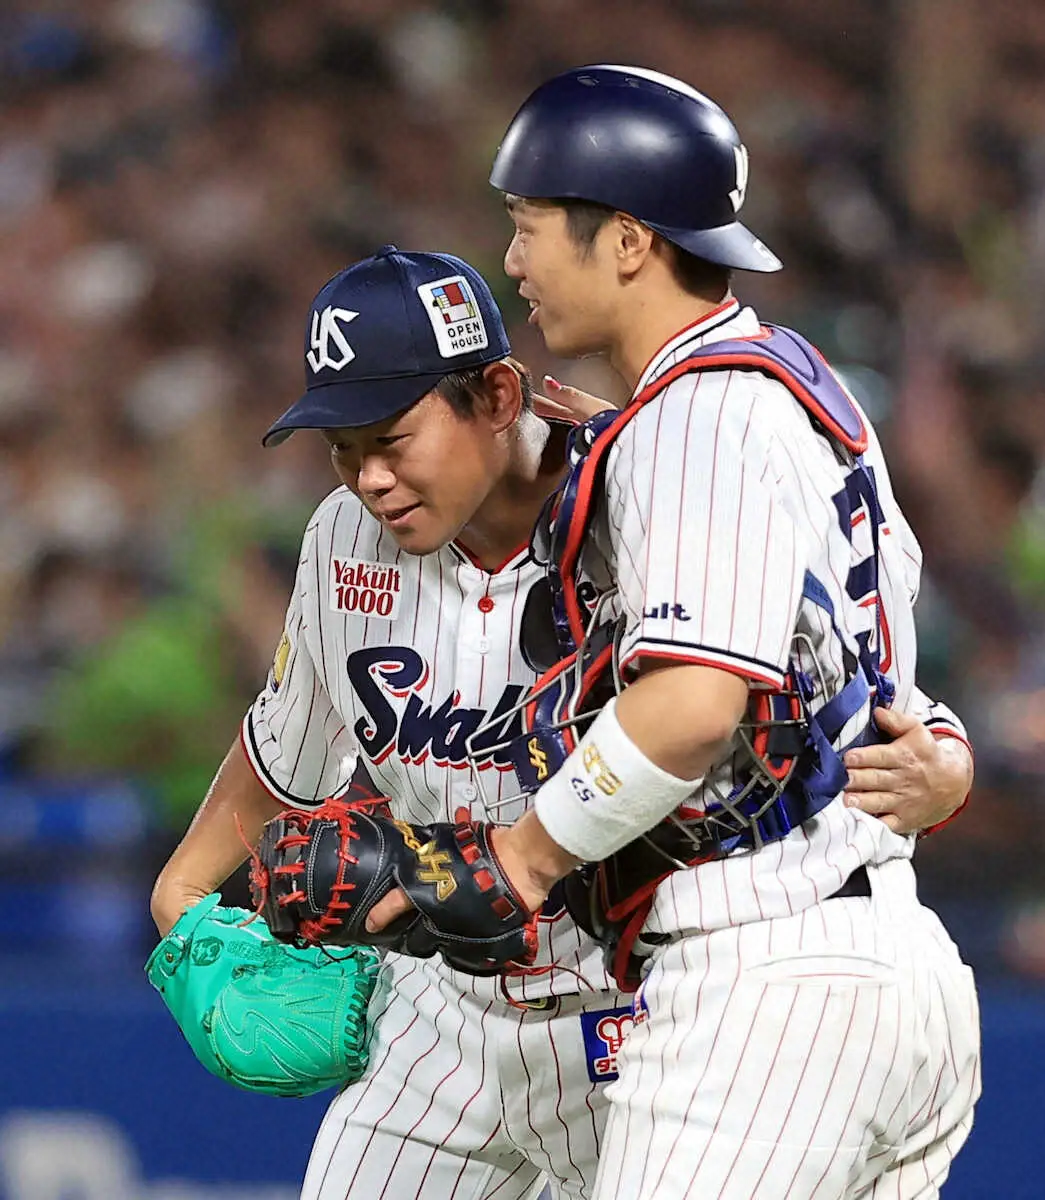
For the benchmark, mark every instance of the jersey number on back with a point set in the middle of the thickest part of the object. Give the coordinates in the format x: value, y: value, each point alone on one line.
x: 861, y: 518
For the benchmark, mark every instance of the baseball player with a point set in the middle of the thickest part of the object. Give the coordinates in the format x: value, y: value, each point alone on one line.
x: 804, y: 1027
x: 401, y: 640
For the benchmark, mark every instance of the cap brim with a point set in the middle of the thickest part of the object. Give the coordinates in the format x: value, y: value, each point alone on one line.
x: 350, y: 405
x: 728, y: 245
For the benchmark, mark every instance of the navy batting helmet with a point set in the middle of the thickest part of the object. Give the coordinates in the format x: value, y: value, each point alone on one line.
x: 642, y: 143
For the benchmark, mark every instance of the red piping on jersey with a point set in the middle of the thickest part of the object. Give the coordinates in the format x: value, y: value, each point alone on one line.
x: 695, y: 660
x: 726, y: 304
x: 585, y: 484
x: 500, y: 566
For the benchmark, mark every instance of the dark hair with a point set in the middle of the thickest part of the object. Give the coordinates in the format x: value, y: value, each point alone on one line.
x: 461, y: 388
x: 700, y: 277
x: 584, y: 219
x: 697, y: 276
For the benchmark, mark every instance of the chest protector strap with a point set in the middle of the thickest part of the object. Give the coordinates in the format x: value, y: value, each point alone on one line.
x: 777, y: 352
x: 796, y: 754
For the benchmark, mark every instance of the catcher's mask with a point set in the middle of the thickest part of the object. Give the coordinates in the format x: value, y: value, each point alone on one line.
x: 786, y: 756
x: 784, y: 768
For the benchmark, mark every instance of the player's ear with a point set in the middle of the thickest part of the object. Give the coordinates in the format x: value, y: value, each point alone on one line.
x: 502, y: 400
x: 633, y: 243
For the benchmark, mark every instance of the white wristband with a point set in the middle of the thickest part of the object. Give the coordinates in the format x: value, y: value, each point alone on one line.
x: 607, y: 793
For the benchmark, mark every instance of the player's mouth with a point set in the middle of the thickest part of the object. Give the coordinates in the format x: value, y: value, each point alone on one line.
x: 535, y: 306
x: 397, y: 518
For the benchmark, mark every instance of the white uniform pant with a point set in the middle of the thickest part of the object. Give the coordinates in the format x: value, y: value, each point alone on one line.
x: 829, y: 1054
x: 464, y: 1099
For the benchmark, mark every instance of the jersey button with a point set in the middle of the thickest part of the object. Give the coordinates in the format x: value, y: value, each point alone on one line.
x: 482, y: 644
x: 486, y: 604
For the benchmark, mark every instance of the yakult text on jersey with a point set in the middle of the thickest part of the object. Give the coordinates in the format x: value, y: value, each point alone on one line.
x: 372, y: 589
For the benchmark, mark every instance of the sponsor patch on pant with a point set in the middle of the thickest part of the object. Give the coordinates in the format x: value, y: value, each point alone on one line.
x: 604, y: 1034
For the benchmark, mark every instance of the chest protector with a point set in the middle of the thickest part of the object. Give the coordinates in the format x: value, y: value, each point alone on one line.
x: 787, y: 759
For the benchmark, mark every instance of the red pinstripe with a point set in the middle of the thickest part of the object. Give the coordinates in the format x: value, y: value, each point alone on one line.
x: 377, y: 1123
x: 682, y: 493
x: 765, y: 1087
x: 467, y: 1104
x: 770, y: 511
x: 504, y: 1182
x: 834, y: 1075
x: 364, y: 1088
x: 711, y: 506
x: 431, y: 1103
x: 652, y: 485
x: 467, y: 1159
x: 529, y: 1087
x: 697, y: 1031
x: 739, y: 527
x: 561, y: 1087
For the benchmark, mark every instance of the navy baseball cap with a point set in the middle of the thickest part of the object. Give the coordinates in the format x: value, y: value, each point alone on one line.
x: 383, y: 332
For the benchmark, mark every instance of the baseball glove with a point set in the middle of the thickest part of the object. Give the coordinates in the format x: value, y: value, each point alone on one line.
x: 258, y: 1013
x: 318, y: 874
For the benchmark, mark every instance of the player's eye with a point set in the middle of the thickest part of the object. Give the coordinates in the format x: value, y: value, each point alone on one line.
x: 390, y: 439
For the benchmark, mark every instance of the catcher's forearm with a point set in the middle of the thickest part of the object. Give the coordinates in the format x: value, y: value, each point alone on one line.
x: 213, y: 847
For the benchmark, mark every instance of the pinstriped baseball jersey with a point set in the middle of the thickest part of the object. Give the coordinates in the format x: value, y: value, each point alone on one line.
x: 720, y: 495
x: 787, y: 1042
x: 397, y: 659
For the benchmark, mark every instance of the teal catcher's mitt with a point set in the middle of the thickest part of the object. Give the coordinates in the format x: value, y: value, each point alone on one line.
x: 258, y: 1013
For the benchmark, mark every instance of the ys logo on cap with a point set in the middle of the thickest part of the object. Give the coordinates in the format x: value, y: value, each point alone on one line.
x: 454, y: 313
x: 330, y: 347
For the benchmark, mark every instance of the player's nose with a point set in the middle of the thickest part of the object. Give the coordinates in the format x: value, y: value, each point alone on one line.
x: 375, y: 477
x: 513, y: 259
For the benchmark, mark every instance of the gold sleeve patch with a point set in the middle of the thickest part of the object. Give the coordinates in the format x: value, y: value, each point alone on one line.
x: 279, y: 661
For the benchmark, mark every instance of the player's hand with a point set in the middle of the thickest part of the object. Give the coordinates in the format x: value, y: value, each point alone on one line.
x: 385, y: 911
x: 912, y: 782
x: 171, y: 899
x: 564, y: 403
x: 532, y: 893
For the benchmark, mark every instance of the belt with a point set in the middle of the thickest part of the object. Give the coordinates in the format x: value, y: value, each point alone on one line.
x: 857, y: 884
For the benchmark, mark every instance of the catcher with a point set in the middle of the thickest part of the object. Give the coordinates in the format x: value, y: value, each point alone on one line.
x: 401, y: 650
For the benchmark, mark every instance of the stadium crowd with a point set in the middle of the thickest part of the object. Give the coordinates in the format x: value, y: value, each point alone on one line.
x: 177, y: 178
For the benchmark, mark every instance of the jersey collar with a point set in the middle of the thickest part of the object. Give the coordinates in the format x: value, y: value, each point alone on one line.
x: 728, y: 320
x: 519, y: 556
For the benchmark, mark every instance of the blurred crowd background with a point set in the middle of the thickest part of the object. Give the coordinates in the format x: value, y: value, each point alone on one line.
x: 178, y: 178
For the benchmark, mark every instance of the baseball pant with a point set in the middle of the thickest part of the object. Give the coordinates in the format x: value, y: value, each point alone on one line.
x: 833, y: 1053
x: 465, y: 1098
